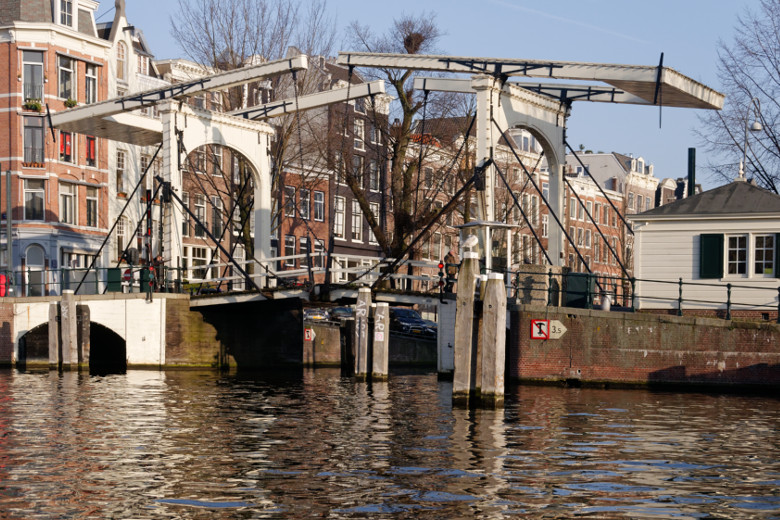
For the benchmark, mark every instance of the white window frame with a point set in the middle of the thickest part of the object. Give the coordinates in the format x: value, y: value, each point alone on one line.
x: 357, y: 222
x: 319, y: 206
x: 68, y: 197
x: 67, y: 65
x: 92, y: 200
x: 91, y: 84
x: 37, y: 193
x: 767, y: 251
x: 339, y: 206
x: 304, y: 200
x: 375, y: 210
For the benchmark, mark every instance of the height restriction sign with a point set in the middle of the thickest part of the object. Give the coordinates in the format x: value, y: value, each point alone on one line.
x: 540, y: 329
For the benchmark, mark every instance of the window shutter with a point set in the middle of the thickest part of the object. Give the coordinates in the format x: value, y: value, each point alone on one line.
x: 711, y: 256
x: 777, y: 255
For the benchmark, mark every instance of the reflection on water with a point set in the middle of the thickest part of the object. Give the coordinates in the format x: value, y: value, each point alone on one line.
x: 201, y: 445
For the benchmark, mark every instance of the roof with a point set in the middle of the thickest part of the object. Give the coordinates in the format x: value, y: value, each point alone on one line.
x: 736, y: 198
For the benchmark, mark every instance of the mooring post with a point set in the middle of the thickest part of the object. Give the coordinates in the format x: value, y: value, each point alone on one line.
x: 361, y: 332
x: 493, y: 342
x: 69, y: 330
x: 464, y: 326
x: 54, y: 337
x: 381, y: 343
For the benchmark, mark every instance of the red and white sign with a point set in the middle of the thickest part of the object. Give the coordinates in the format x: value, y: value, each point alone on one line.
x: 127, y: 275
x: 308, y: 334
x: 540, y: 329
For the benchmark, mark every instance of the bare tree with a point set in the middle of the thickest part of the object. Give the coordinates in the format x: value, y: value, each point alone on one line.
x: 748, y: 68
x: 411, y: 35
x: 228, y: 34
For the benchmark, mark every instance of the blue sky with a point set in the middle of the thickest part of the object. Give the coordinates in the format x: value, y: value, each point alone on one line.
x: 605, y: 31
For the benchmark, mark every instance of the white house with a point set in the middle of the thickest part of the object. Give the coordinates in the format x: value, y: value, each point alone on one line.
x: 728, y: 236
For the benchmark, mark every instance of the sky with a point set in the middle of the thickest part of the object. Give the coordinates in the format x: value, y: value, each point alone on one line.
x: 597, y: 31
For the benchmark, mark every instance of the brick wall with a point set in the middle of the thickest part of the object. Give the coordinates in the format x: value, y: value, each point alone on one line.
x: 638, y: 348
x: 189, y: 340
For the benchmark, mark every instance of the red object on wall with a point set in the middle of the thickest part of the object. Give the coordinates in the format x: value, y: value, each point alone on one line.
x: 3, y: 281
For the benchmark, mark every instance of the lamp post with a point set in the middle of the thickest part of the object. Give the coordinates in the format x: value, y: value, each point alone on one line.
x: 755, y: 105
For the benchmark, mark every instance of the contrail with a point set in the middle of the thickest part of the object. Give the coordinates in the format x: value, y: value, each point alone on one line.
x: 568, y: 20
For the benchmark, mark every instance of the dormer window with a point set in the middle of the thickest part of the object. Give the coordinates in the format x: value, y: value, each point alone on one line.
x: 66, y: 12
x: 143, y: 65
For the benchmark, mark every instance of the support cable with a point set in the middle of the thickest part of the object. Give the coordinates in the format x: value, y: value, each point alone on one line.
x: 587, y: 170
x: 113, y: 226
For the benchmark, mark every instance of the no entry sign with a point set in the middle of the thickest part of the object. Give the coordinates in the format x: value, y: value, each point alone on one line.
x: 540, y: 329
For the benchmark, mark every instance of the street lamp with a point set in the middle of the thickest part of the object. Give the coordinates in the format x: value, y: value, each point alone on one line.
x: 756, y: 126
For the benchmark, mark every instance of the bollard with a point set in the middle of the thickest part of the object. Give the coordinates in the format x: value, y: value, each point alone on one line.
x: 728, y: 301
x: 381, y: 343
x: 361, y: 332
x: 54, y: 337
x: 464, y: 327
x: 493, y: 343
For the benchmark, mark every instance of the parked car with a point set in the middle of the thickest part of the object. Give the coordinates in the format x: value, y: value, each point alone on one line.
x: 314, y: 314
x: 339, y: 313
x: 409, y: 321
x: 432, y: 327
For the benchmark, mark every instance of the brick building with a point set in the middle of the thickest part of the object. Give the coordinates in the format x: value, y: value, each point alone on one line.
x: 52, y: 56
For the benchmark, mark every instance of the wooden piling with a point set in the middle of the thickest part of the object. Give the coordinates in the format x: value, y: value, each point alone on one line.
x: 464, y: 319
x: 54, y: 337
x: 362, y: 306
x: 69, y: 329
x: 381, y: 343
x: 493, y: 342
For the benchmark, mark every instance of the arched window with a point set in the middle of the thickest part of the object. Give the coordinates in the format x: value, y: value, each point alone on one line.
x: 121, y: 61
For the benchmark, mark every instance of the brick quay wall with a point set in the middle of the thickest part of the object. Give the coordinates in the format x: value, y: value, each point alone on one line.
x: 619, y: 348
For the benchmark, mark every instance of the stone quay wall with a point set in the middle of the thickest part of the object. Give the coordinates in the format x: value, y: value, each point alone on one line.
x: 604, y: 348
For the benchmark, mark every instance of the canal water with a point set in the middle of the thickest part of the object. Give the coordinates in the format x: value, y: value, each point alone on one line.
x: 316, y: 445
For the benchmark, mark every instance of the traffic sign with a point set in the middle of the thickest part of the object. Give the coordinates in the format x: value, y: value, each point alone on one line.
x: 540, y: 329
x: 308, y: 334
x: 127, y: 275
x: 557, y: 330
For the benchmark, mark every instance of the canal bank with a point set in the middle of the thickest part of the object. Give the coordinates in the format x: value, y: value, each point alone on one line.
x: 626, y: 348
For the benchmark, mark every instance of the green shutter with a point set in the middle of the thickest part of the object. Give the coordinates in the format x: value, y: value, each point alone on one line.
x: 711, y: 256
x: 777, y: 255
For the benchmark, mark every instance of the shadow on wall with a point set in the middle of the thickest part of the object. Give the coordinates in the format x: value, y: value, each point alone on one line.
x: 760, y: 374
x: 34, y: 347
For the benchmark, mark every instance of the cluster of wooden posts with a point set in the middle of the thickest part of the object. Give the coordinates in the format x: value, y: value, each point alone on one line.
x: 480, y: 337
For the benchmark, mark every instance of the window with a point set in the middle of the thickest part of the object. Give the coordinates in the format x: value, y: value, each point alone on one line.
x: 216, y: 157
x: 580, y: 238
x: 289, y: 201
x: 360, y: 134
x: 200, y: 215
x: 339, y: 166
x: 639, y: 204
x: 587, y: 238
x: 319, y: 206
x: 612, y: 259
x: 428, y: 177
x: 142, y: 64
x: 373, y: 175
x: 90, y: 152
x: 338, y: 217
x: 375, y: 211
x: 90, y: 84
x: 630, y: 200
x: 289, y: 250
x: 216, y: 216
x: 185, y: 222
x: 545, y: 225
x: 120, y: 171
x: 121, y: 237
x: 92, y: 206
x: 33, y: 141
x: 33, y: 199
x: 303, y: 249
x: 535, y: 210
x: 305, y: 202
x: 764, y: 255
x: 614, y: 219
x: 199, y: 258
x: 648, y: 203
x: 67, y: 78
x: 357, y: 169
x: 597, y: 249
x: 572, y: 208
x: 357, y: 221
x: 589, y: 207
x: 32, y: 75
x: 546, y: 190
x: 67, y: 203
x: 319, y: 253
x: 581, y: 209
x: 436, y: 246
x: 200, y: 160
x: 373, y: 134
x: 66, y: 12
x: 597, y: 213
x: 121, y: 61
x: 360, y: 105
x: 66, y: 147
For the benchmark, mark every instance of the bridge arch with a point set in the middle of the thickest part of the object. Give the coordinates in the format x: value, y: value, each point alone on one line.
x: 107, y: 351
